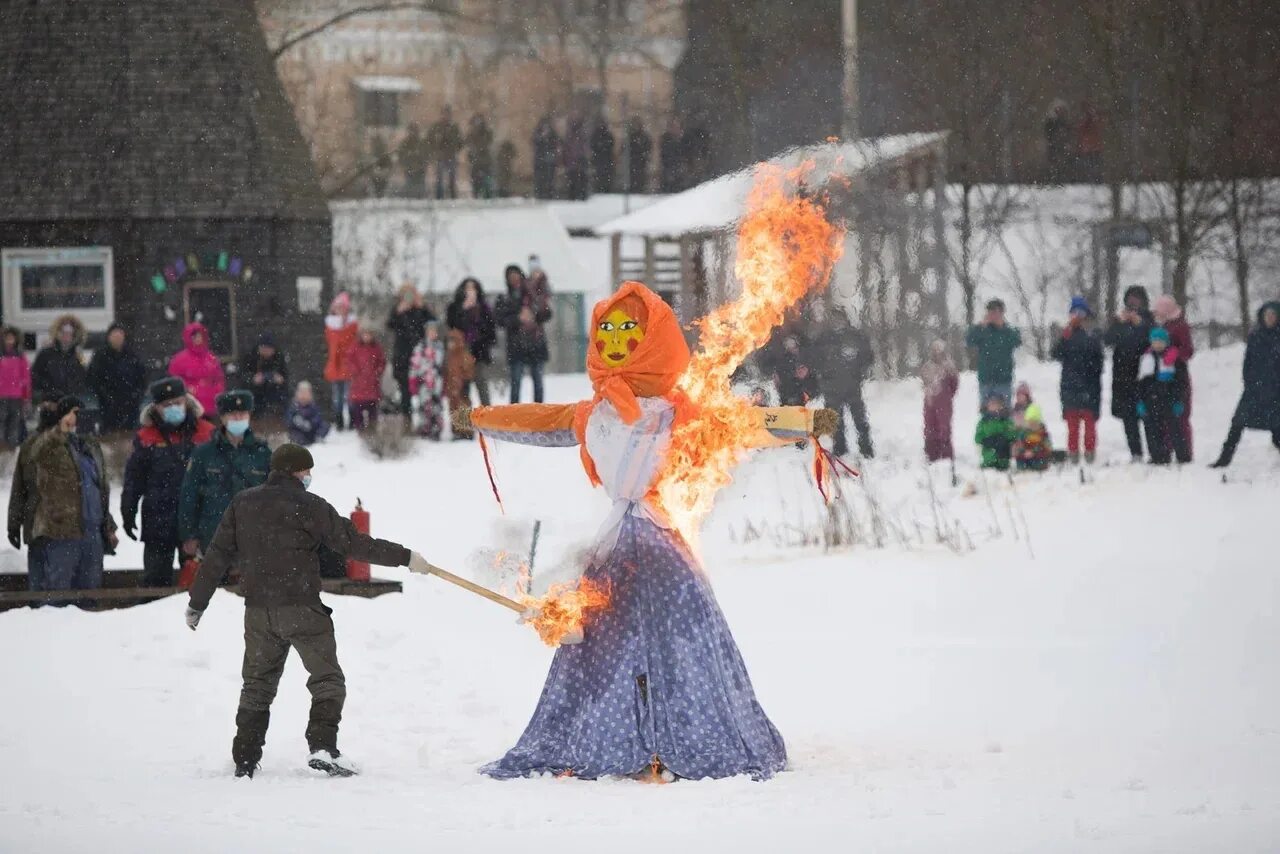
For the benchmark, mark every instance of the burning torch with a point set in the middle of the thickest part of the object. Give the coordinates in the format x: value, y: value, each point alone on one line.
x: 558, y: 617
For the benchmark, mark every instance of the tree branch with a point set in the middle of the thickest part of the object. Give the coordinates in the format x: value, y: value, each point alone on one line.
x: 433, y: 6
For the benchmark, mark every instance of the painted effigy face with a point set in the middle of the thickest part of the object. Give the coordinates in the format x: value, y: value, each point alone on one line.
x: 617, y: 336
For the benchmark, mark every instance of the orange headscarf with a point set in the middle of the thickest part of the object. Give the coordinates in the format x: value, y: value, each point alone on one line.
x: 652, y: 371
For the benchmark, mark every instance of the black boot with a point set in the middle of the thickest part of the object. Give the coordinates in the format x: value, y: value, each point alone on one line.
x: 1221, y: 462
x: 246, y: 769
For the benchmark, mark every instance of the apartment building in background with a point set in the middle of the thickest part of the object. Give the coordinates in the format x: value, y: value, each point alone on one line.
x: 358, y: 78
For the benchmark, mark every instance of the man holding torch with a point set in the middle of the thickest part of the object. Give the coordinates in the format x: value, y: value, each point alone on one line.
x: 273, y: 533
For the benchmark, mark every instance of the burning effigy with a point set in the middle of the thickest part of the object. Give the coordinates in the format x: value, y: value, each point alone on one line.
x: 653, y: 684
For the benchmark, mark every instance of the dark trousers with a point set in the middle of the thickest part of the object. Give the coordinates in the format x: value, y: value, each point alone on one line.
x: 157, y: 564
x: 13, y: 423
x: 517, y: 378
x: 1133, y: 435
x: 446, y: 179
x: 66, y: 564
x: 269, y: 633
x: 364, y: 414
x: 406, y: 396
x: 838, y: 399
x: 1233, y: 440
x: 1165, y: 439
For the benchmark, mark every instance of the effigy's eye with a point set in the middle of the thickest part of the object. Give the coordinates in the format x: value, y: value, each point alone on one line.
x: 606, y: 326
x: 629, y: 325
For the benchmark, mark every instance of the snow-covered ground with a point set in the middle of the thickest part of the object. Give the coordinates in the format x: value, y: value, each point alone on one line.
x: 1096, y: 673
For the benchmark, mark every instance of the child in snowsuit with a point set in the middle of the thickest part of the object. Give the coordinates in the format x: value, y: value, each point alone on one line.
x: 1163, y: 387
x: 1021, y: 400
x: 15, y: 389
x: 426, y: 381
x: 306, y: 425
x: 1033, y: 449
x: 367, y: 362
x: 940, y: 383
x: 995, y: 434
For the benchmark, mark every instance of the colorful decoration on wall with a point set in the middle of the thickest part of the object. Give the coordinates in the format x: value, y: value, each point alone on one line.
x: 213, y: 264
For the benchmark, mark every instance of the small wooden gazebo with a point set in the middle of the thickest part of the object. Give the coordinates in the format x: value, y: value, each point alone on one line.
x: 891, y: 194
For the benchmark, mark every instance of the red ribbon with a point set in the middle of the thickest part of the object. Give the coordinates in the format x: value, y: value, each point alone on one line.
x: 488, y: 467
x: 826, y: 463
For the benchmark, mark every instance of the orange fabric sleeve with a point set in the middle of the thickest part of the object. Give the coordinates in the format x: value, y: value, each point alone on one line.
x: 524, y: 418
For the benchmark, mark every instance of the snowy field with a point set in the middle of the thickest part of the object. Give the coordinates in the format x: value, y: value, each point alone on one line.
x: 1086, y: 667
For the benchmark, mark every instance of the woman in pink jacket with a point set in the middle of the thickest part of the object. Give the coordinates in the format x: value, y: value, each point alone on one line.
x: 198, y: 367
x: 15, y: 388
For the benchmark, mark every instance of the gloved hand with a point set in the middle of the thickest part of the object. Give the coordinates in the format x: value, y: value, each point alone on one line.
x: 130, y: 528
x: 193, y: 618
x: 1178, y: 409
x: 1142, y: 409
x: 15, y: 537
x: 418, y: 563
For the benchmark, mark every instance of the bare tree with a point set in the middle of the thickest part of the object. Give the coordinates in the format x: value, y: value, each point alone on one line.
x: 976, y: 110
x: 558, y: 32
x: 446, y: 9
x: 1190, y: 34
x: 1112, y: 36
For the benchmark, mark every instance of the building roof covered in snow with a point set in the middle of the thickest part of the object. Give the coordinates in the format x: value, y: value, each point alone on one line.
x: 379, y: 243
x: 719, y: 203
x: 146, y: 109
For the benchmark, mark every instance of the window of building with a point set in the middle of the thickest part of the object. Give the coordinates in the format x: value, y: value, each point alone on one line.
x: 379, y: 109
x: 378, y: 99
x: 41, y: 284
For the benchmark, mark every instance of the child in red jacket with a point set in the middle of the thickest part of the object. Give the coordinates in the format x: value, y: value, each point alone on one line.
x: 367, y: 361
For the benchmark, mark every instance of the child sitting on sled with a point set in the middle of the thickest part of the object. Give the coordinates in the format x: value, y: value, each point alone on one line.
x: 426, y: 381
x: 1033, y: 449
x: 995, y: 434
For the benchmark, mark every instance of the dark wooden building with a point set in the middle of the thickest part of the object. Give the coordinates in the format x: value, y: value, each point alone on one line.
x: 152, y: 173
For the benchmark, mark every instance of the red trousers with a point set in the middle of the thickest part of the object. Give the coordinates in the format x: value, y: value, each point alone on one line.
x: 1076, y: 417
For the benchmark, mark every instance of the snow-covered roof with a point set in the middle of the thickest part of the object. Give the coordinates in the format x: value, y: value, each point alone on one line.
x: 719, y: 203
x: 387, y: 83
x: 600, y: 208
x: 382, y: 242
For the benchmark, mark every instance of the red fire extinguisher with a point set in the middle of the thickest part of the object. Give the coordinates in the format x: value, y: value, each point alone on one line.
x: 187, y: 573
x: 358, y: 570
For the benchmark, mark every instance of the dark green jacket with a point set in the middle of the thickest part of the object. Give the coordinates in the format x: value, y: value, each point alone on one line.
x: 993, y: 348
x: 45, y: 498
x: 217, y: 472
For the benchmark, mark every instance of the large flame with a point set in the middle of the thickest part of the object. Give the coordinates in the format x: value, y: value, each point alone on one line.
x: 786, y: 248
x: 561, y: 615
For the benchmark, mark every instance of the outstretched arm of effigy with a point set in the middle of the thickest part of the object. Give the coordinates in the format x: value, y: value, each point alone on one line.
x: 548, y: 425
x: 783, y: 425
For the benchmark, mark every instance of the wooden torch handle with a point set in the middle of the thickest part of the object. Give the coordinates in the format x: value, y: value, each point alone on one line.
x: 474, y: 588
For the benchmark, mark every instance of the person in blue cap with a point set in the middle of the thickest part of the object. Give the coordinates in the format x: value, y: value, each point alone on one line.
x: 1080, y: 388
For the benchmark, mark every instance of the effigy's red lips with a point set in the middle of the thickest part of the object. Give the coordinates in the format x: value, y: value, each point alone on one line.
x: 617, y: 357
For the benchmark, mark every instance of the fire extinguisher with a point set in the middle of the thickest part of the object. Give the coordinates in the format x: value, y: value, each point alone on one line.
x: 358, y: 570
x: 187, y: 574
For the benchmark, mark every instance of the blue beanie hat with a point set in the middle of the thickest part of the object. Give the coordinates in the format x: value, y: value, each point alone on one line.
x: 1159, y: 334
x: 1080, y: 304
